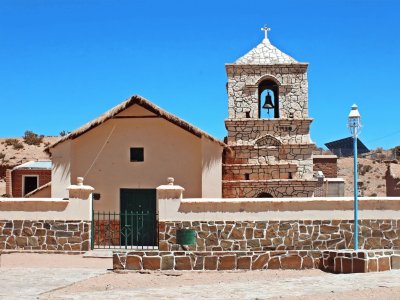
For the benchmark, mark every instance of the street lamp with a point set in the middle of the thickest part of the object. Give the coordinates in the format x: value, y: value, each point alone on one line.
x: 355, y: 127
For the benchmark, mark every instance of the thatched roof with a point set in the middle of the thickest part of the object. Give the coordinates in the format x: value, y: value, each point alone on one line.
x: 145, y: 104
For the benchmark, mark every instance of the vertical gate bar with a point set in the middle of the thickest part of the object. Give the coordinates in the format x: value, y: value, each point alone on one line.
x: 126, y: 220
x: 113, y: 232
x: 98, y: 229
x: 109, y: 230
x: 131, y: 217
x: 92, y: 231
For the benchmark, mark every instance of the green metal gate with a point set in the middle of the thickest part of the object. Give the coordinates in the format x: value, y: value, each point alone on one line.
x: 134, y: 227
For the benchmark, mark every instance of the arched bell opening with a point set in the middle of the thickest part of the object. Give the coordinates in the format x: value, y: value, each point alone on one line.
x: 268, y: 99
x: 264, y: 195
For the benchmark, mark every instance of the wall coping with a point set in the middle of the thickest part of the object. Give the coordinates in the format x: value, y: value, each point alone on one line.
x: 283, y: 200
x: 34, y: 200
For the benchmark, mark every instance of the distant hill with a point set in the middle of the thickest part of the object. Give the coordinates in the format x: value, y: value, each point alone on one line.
x: 371, y: 174
x: 11, y: 155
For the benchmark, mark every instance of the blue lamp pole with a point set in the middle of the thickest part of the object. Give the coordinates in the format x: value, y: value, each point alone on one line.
x: 355, y: 127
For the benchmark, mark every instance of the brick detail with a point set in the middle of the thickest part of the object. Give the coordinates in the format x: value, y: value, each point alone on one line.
x: 17, y: 178
x: 328, y: 166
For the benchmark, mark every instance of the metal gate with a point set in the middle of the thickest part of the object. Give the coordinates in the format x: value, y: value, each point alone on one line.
x: 127, y: 230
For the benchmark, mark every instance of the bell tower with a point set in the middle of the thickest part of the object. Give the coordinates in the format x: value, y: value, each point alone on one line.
x: 268, y: 126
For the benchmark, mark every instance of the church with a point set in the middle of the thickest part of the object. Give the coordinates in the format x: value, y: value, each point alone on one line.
x: 135, y: 146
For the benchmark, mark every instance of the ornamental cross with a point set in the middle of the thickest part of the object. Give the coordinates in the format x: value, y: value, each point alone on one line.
x: 266, y: 29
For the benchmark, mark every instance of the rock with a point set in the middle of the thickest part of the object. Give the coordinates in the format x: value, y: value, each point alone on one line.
x: 133, y: 262
x: 237, y: 234
x: 260, y: 262
x: 210, y: 263
x: 243, y: 262
x: 151, y: 263
x: 183, y: 263
x: 291, y: 262
x: 383, y: 264
x: 227, y: 262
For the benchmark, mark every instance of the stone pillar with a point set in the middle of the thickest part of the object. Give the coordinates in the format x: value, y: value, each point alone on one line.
x: 169, y: 198
x: 79, y: 190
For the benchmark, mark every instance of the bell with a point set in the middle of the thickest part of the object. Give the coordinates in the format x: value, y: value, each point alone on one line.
x: 268, y: 102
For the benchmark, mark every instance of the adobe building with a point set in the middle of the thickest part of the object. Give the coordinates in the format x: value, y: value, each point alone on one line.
x: 268, y: 126
x: 130, y: 150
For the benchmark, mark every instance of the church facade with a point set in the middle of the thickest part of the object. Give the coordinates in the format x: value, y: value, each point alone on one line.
x: 268, y: 126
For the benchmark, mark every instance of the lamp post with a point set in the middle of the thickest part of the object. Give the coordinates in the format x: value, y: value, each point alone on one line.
x: 355, y: 127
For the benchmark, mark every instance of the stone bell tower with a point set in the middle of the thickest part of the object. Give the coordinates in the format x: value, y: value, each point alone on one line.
x: 268, y: 126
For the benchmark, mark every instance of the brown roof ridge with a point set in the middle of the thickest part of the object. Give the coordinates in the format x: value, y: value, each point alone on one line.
x: 139, y: 100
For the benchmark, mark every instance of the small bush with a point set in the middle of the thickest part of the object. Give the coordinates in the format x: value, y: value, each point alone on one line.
x: 373, y: 195
x: 31, y: 138
x: 2, y: 155
x: 64, y: 133
x: 15, y: 143
x: 364, y: 169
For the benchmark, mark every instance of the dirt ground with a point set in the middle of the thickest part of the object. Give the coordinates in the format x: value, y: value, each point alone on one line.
x: 314, y: 284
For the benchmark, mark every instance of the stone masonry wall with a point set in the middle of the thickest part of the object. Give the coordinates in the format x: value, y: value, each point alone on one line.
x: 282, y: 235
x: 45, y: 235
x: 208, y: 260
x: 276, y: 188
x: 243, y: 89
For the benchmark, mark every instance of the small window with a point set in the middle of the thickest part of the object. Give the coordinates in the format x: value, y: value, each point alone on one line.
x: 137, y: 154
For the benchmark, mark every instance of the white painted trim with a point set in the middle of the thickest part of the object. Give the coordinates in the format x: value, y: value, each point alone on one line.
x: 23, y: 183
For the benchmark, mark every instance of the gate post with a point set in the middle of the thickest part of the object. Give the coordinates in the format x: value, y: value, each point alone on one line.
x: 169, y: 198
x: 83, y: 193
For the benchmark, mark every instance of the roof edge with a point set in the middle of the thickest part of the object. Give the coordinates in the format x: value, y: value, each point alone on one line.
x: 139, y: 100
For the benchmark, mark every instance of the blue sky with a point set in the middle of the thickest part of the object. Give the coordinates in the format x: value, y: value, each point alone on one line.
x: 63, y: 63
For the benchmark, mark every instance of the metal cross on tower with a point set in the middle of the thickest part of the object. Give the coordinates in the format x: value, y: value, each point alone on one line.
x: 266, y: 29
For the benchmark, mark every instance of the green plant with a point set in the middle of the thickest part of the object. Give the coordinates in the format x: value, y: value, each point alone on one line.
x: 15, y: 143
x: 64, y: 133
x: 32, y: 138
x: 364, y: 169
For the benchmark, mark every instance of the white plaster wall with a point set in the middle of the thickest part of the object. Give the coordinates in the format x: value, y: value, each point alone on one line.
x: 45, y: 209
x: 211, y: 169
x: 61, y: 169
x: 277, y: 209
x: 169, y: 151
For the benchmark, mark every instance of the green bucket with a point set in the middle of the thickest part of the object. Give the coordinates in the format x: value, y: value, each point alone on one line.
x: 186, y: 237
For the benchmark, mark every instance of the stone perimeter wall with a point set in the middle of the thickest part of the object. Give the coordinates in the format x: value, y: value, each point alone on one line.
x: 282, y: 235
x: 187, y: 260
x: 329, y: 261
x: 45, y: 235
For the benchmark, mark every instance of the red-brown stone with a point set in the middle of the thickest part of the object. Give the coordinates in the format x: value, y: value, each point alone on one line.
x: 183, y: 263
x: 210, y: 262
x: 260, y: 262
x: 372, y: 265
x: 383, y: 264
x: 227, y: 262
x: 360, y: 265
x: 151, y: 263
x: 274, y: 263
x: 133, y: 262
x: 244, y: 262
x: 291, y: 262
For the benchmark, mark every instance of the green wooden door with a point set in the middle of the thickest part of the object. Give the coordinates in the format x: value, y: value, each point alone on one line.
x: 138, y: 217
